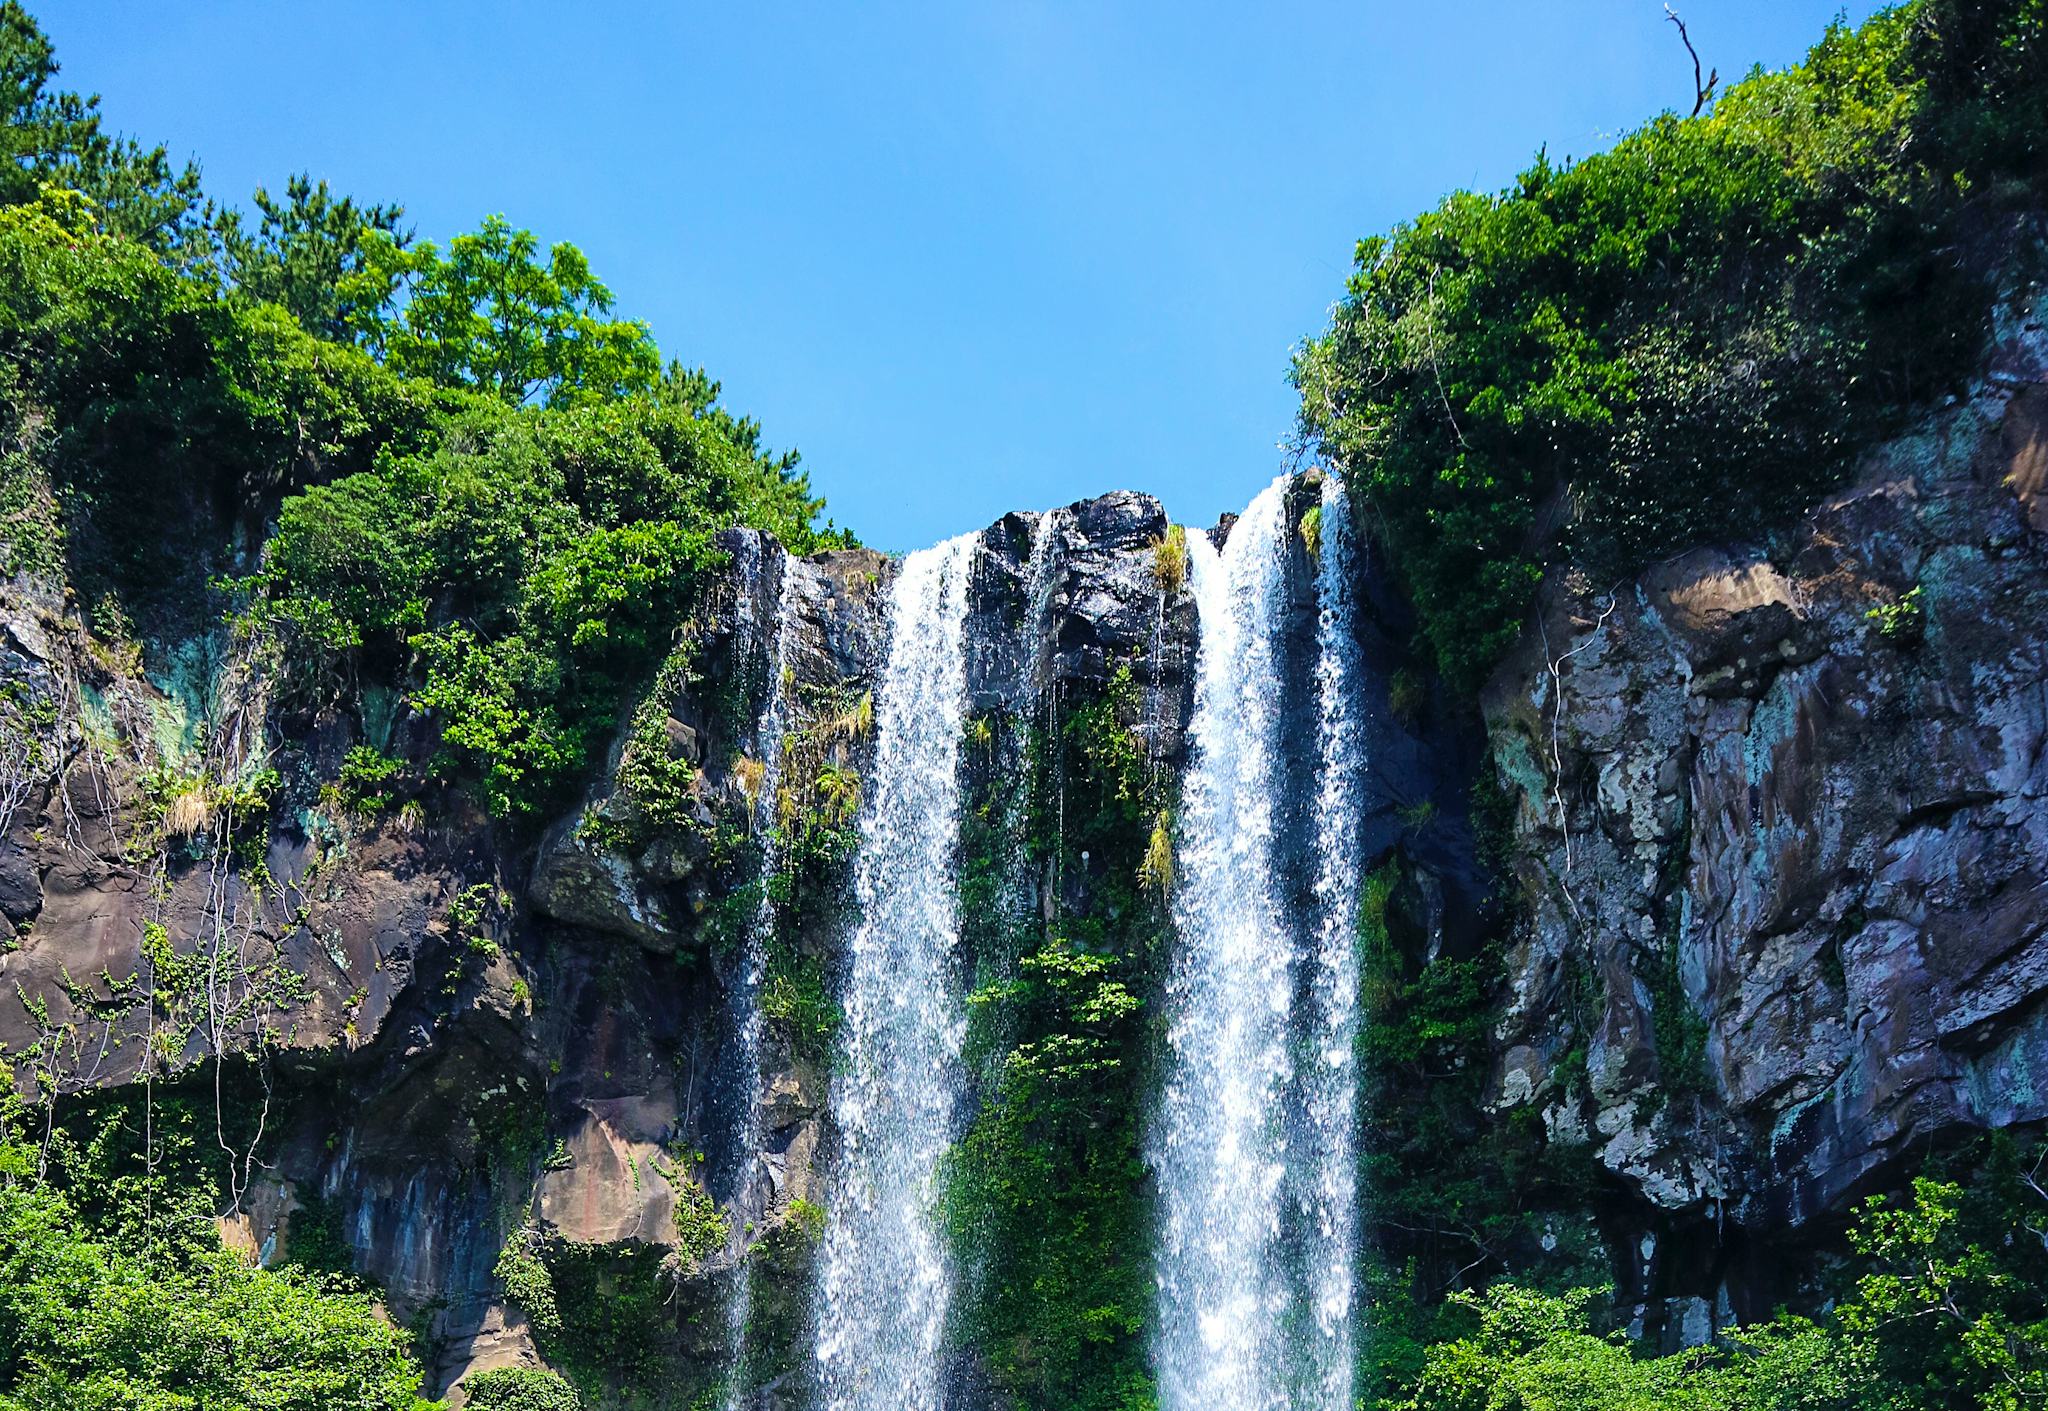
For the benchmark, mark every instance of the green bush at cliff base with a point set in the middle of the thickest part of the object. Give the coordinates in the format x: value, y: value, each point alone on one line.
x: 519, y: 1389
x: 1690, y: 335
x: 1455, y: 1194
x: 1943, y: 1308
x: 116, y: 1291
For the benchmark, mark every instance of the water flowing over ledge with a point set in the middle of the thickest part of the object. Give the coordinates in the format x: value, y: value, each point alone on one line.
x: 887, y: 1280
x: 1330, y: 1085
x: 1222, y: 1154
x: 750, y: 1185
x: 1254, y: 1141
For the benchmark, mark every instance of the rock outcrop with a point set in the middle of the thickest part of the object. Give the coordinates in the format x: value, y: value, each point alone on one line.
x: 1783, y: 817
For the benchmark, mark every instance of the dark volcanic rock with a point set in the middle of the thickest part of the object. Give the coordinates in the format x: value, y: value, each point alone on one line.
x: 1834, y: 837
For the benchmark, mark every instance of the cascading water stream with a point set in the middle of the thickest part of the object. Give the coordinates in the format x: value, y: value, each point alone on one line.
x: 1221, y: 1149
x: 1330, y: 1083
x: 1255, y: 1151
x: 752, y: 1172
x: 886, y: 1278
x: 1041, y: 579
x: 1042, y: 572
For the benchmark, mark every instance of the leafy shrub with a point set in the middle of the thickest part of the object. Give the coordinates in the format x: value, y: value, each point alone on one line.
x: 807, y: 1220
x: 523, y: 577
x: 1407, y: 695
x: 1899, y: 621
x: 364, y: 783
x: 115, y: 1289
x: 1685, y: 337
x: 1945, y: 1309
x: 1170, y: 559
x: 528, y: 1282
x: 701, y: 1228
x: 519, y: 1389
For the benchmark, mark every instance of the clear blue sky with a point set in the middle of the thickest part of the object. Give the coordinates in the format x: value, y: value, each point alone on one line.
x: 967, y: 257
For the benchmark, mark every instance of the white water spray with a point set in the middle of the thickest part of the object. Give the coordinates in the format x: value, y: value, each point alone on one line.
x: 748, y: 1193
x: 1256, y: 1155
x: 886, y: 1278
x: 1222, y: 1149
x: 1330, y: 1085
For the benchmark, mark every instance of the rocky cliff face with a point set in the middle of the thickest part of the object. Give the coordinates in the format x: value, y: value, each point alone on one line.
x: 459, y: 1036
x: 456, y: 1040
x: 1780, y: 863
x: 1782, y: 835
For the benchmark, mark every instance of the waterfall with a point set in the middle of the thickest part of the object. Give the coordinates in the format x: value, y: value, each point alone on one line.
x: 1222, y: 1152
x: 746, y: 1198
x: 1041, y: 578
x: 1254, y: 1144
x: 886, y: 1278
x: 1330, y: 1085
x: 1042, y: 574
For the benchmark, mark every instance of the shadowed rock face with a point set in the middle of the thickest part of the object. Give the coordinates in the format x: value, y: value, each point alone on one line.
x: 1745, y: 804
x: 1742, y: 808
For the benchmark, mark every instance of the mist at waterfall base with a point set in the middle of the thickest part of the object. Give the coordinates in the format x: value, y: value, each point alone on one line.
x: 1252, y: 1145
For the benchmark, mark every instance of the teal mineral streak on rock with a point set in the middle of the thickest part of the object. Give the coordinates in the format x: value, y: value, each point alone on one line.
x: 186, y: 681
x: 96, y: 720
x: 2001, y: 1079
x: 1511, y: 752
x: 380, y: 715
x: 1781, y: 1130
x: 1771, y: 724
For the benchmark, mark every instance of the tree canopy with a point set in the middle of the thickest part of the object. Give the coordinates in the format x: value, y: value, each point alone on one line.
x: 1690, y: 335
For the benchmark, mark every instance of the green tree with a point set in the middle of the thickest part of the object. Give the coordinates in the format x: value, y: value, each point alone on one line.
x: 1944, y: 1311
x: 1952, y: 1308
x: 334, y: 265
x: 55, y: 138
x: 115, y: 1292
x: 492, y: 316
x: 1690, y: 335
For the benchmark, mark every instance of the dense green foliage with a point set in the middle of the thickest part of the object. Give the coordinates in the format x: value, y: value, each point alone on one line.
x: 330, y: 263
x: 1944, y: 1309
x: 116, y: 1291
x: 1691, y: 334
x: 51, y: 137
x: 1458, y: 1195
x: 142, y: 396
x: 520, y: 1389
x: 494, y: 497
x: 523, y: 575
x: 616, y: 1339
x: 1047, y: 1190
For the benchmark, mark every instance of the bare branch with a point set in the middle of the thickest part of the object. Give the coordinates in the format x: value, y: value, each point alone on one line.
x: 1703, y: 93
